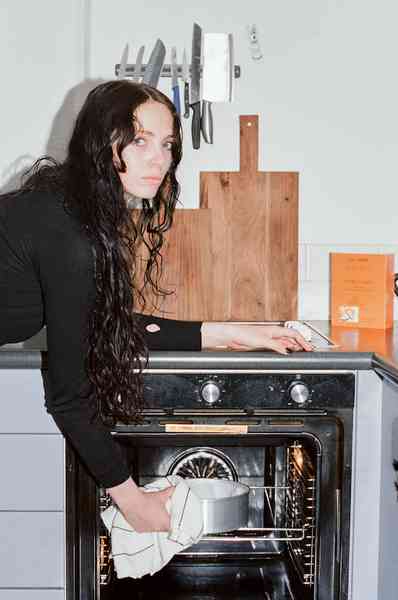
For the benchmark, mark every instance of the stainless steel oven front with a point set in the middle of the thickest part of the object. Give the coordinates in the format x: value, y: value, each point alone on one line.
x: 287, y: 435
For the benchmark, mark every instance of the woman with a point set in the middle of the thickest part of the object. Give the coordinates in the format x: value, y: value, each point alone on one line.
x: 68, y: 259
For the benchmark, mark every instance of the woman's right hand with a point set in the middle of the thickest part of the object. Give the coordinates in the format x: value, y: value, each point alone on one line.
x: 149, y: 511
x: 144, y: 511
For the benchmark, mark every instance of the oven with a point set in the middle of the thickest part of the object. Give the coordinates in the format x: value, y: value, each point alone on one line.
x: 287, y: 435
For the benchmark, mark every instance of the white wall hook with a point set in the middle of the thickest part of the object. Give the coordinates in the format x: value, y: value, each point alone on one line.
x: 254, y: 44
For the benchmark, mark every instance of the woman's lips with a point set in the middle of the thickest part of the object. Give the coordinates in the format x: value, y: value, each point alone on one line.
x: 154, y: 180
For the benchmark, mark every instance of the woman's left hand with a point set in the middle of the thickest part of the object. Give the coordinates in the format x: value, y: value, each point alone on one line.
x: 251, y: 336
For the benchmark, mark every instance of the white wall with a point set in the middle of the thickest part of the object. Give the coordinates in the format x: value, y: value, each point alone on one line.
x: 42, y: 58
x: 326, y: 95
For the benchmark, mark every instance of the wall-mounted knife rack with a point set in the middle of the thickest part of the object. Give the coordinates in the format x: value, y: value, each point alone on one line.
x: 166, y: 70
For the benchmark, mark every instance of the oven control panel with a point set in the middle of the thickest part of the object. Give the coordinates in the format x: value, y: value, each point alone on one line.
x: 248, y: 390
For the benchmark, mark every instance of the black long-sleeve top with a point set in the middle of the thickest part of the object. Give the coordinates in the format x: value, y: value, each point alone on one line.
x: 47, y: 278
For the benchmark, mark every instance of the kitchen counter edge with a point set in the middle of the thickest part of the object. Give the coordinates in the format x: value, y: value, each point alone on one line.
x: 37, y: 359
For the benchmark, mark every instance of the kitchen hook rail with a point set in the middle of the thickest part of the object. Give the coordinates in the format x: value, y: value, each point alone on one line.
x: 166, y: 70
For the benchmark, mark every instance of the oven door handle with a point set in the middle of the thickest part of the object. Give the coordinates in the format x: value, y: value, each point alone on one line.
x: 337, y: 546
x: 338, y: 527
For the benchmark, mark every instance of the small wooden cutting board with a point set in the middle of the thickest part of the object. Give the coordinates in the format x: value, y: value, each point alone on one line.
x: 186, y: 268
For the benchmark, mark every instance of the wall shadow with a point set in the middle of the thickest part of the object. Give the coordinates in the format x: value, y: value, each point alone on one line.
x: 56, y: 147
x: 58, y: 138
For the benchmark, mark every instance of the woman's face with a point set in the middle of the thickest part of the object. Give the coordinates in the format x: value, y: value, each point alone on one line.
x: 148, y: 157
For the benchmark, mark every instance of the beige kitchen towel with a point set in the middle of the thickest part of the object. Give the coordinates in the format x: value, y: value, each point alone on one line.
x: 137, y: 554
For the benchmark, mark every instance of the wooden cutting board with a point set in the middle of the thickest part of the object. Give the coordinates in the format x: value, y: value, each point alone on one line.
x: 235, y: 258
x: 186, y: 267
x: 254, y: 223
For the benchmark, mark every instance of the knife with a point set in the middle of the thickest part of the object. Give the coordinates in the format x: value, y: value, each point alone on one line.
x: 185, y: 77
x: 138, y: 64
x: 174, y: 80
x: 155, y: 64
x: 231, y: 66
x: 217, y: 48
x: 195, y: 84
x: 123, y: 63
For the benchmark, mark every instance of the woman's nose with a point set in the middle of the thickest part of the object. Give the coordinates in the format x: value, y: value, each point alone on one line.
x: 157, y: 155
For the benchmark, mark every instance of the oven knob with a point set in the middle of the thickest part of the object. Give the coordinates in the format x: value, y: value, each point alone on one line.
x: 210, y: 392
x: 299, y: 392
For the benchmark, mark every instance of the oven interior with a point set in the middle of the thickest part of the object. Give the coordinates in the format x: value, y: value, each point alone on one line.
x: 276, y: 557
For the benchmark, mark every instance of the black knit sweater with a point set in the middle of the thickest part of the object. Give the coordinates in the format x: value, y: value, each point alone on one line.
x: 47, y: 278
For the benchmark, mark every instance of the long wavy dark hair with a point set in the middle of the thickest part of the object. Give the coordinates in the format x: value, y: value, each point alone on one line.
x: 92, y: 191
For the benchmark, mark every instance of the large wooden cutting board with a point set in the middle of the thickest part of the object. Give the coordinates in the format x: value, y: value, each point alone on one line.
x: 254, y: 223
x: 235, y: 258
x: 186, y: 268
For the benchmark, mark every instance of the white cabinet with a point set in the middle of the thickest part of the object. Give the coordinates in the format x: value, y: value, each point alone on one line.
x: 388, y: 572
x: 31, y: 549
x: 32, y: 472
x: 22, y: 403
x: 32, y: 552
x: 375, y: 500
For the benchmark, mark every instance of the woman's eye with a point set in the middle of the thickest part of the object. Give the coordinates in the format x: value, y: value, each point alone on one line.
x: 168, y: 145
x: 139, y: 141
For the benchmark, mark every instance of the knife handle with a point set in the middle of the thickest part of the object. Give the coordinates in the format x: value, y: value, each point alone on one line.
x: 176, y: 98
x: 207, y: 122
x: 196, y: 125
x: 186, y: 99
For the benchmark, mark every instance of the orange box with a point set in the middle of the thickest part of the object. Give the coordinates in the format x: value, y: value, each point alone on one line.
x: 362, y: 290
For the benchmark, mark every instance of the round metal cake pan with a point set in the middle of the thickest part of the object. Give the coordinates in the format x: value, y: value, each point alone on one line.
x: 225, y: 503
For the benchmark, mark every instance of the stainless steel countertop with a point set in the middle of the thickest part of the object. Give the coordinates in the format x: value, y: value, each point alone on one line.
x: 362, y: 349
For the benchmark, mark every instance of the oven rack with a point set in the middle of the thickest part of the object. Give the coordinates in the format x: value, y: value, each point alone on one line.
x: 298, y: 530
x: 243, y: 541
x: 248, y: 534
x: 266, y: 534
x: 255, y: 534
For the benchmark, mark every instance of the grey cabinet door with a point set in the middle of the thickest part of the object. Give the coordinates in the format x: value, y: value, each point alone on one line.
x: 374, y: 550
x: 31, y: 550
x: 388, y: 556
x: 31, y: 492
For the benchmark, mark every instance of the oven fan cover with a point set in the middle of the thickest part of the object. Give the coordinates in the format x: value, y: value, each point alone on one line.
x: 203, y: 462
